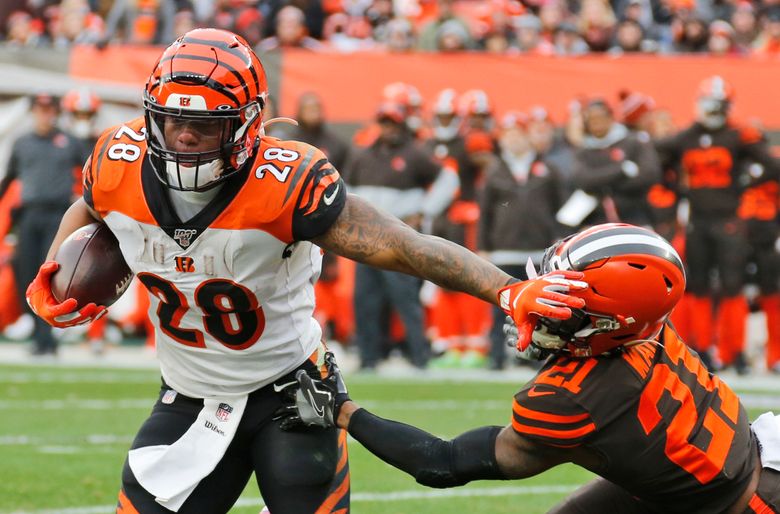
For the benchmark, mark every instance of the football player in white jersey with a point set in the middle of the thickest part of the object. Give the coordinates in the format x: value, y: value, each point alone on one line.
x: 224, y: 226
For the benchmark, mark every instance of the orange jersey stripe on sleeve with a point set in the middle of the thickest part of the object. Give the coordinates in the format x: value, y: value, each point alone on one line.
x: 553, y: 429
x: 558, y: 435
x: 547, y: 417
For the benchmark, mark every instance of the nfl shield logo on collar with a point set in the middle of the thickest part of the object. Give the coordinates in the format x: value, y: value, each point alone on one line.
x: 223, y: 411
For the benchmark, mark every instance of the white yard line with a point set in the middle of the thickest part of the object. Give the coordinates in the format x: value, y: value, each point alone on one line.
x: 367, y: 497
x: 750, y: 400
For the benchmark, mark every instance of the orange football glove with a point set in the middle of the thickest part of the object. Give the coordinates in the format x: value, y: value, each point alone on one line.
x: 543, y: 296
x: 60, y: 315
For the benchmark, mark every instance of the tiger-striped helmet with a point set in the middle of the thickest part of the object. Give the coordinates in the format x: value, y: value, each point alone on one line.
x: 634, y: 277
x: 203, y: 105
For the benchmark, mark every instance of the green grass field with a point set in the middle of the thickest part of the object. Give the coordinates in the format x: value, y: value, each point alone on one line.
x: 64, y: 433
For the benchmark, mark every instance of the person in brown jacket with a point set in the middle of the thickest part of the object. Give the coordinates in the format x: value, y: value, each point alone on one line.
x: 517, y: 205
x: 616, y: 167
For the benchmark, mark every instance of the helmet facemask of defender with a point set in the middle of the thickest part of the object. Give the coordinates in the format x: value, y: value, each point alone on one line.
x: 635, y: 279
x: 203, y: 106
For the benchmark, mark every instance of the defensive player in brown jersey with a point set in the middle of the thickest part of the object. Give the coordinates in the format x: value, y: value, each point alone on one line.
x: 224, y: 228
x: 709, y: 156
x: 620, y: 395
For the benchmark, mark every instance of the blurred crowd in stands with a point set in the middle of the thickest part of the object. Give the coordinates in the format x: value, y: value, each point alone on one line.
x: 537, y: 27
x: 507, y: 185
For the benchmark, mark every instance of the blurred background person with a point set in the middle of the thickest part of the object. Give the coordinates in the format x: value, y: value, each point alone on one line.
x: 721, y: 40
x: 519, y: 199
x: 690, y: 36
x: 397, y: 35
x: 614, y: 166
x: 758, y: 206
x: 528, y: 36
x: 80, y: 109
x: 140, y: 22
x: 47, y: 162
x: 768, y: 40
x: 596, y: 24
x: 71, y: 22
x: 745, y: 24
x: 551, y: 146
x: 313, y: 129
x: 709, y: 156
x: 291, y: 32
x: 629, y: 38
x: 476, y: 109
x: 567, y: 40
x: 428, y: 39
x: 23, y: 31
x: 392, y: 173
x: 459, y: 321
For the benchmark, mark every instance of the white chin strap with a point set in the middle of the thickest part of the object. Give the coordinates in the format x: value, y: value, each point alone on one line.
x: 185, y: 177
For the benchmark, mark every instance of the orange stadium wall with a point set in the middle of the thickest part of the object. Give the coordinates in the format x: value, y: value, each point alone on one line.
x: 350, y: 84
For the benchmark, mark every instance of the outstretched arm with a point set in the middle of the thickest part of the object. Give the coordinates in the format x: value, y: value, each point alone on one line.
x: 485, y: 453
x: 365, y: 234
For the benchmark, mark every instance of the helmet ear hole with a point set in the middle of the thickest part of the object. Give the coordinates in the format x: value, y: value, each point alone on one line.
x: 637, y: 265
x: 668, y: 283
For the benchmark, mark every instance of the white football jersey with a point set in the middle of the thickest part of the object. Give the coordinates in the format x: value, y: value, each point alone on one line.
x: 232, y: 289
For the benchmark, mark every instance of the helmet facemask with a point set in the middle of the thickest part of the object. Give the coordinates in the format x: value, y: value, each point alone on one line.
x: 222, y: 132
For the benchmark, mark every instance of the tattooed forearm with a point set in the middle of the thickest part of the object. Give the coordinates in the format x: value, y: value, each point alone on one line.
x: 367, y: 235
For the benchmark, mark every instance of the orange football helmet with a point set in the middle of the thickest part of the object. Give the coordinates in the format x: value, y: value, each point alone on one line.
x: 81, y: 101
x: 80, y: 107
x: 211, y: 83
x: 635, y: 279
x: 476, y: 108
x: 407, y: 96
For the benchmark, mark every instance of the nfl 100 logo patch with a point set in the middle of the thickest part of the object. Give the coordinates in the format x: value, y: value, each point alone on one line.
x: 223, y: 411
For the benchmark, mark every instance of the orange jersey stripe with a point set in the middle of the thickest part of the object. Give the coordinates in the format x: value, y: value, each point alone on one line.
x: 334, y: 497
x: 553, y: 434
x: 343, y: 451
x: 124, y: 506
x: 547, y: 417
x: 759, y: 506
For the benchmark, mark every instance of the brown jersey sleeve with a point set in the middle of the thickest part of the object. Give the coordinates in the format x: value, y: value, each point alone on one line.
x: 551, y: 416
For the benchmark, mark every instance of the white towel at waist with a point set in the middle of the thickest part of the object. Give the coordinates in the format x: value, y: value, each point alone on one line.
x: 767, y: 430
x: 172, y: 472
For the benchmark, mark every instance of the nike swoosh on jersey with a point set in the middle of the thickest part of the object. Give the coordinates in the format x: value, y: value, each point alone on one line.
x: 533, y: 392
x: 328, y: 199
